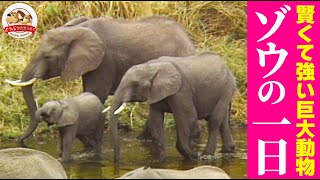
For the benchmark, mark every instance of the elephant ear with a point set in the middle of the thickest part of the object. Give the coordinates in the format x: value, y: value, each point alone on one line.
x: 85, y: 54
x: 69, y: 116
x: 165, y: 82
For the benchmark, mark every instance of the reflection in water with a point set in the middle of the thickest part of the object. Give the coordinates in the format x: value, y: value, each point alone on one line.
x: 135, y: 154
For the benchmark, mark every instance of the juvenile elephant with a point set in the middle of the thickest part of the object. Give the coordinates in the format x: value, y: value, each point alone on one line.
x: 201, y: 172
x: 23, y: 163
x: 100, y: 50
x: 77, y: 117
x: 195, y: 87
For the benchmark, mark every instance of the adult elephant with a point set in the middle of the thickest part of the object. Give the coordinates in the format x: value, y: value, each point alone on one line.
x: 201, y: 172
x: 100, y: 50
x: 23, y: 163
x: 192, y: 88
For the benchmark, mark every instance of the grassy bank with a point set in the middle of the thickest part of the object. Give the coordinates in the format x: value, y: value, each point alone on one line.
x: 213, y: 26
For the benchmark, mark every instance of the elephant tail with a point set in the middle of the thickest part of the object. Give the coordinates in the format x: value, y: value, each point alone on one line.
x: 229, y: 112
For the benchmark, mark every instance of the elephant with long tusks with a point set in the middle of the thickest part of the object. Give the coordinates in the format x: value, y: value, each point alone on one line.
x: 100, y: 50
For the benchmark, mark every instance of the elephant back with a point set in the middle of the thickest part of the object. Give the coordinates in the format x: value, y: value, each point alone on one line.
x: 92, y: 101
x: 201, y: 172
x: 141, y: 173
x: 23, y: 163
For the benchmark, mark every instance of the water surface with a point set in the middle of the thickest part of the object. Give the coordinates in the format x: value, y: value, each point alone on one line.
x: 135, y: 154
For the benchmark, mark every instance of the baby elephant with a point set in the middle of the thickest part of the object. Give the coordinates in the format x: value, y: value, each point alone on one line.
x: 191, y: 88
x: 77, y: 117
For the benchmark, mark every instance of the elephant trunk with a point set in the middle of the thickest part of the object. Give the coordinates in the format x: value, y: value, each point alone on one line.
x: 114, y: 129
x: 30, y: 73
x: 38, y: 114
x: 28, y: 96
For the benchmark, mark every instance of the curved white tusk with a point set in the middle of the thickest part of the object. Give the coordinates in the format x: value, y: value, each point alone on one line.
x: 16, y: 81
x: 120, y: 108
x: 37, y: 105
x: 106, y: 109
x: 19, y: 83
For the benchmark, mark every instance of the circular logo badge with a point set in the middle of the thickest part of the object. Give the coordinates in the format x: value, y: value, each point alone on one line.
x: 19, y: 20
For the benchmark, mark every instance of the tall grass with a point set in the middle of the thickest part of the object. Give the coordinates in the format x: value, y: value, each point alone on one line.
x: 213, y: 26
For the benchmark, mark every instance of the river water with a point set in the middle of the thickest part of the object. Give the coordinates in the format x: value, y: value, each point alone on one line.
x: 135, y: 154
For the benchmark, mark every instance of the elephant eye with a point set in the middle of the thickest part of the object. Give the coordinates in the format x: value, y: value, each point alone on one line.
x: 44, y: 115
x: 48, y: 58
x: 135, y: 83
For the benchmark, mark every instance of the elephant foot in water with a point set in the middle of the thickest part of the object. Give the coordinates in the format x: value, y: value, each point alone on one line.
x: 144, y: 136
x: 159, y: 160
x: 72, y: 158
x: 225, y: 150
x: 228, y: 149
x: 207, y: 158
x: 89, y: 155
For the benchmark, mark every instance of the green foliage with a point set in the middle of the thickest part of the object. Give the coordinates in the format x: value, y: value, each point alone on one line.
x: 213, y: 26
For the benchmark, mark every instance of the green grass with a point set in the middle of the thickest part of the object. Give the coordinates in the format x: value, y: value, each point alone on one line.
x: 213, y: 26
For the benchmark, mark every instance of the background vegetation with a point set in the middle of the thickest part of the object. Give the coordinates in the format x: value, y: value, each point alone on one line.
x: 213, y: 26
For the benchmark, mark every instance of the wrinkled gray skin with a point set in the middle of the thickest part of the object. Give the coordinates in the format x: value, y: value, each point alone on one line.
x: 100, y: 51
x: 201, y: 172
x: 22, y: 163
x: 191, y: 88
x: 77, y: 117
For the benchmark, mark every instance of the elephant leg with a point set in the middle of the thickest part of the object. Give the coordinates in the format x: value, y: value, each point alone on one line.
x: 69, y: 133
x: 156, y: 129
x: 185, y: 116
x: 195, y: 133
x: 228, y: 145
x: 215, y: 122
x: 60, y: 143
x: 145, y: 134
x: 87, y: 142
x: 97, y: 149
x: 183, y: 127
x: 99, y: 140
